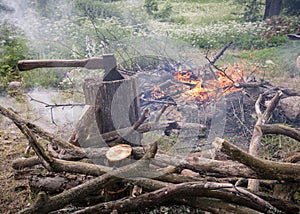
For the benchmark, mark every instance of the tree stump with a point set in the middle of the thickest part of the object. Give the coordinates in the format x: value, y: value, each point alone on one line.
x: 117, y: 106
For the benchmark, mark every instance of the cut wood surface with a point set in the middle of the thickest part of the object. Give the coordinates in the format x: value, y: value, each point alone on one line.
x: 118, y: 152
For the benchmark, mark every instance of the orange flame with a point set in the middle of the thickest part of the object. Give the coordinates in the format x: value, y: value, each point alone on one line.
x: 220, y: 83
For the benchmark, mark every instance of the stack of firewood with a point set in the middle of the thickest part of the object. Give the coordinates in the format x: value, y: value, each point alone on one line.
x: 128, y: 178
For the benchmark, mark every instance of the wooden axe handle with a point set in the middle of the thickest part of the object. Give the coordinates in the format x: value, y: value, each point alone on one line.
x: 92, y: 63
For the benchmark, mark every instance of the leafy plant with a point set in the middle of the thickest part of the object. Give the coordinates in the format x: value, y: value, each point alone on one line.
x: 153, y: 10
x: 164, y: 12
x: 251, y: 9
x: 96, y: 9
x: 12, y: 49
x: 151, y: 6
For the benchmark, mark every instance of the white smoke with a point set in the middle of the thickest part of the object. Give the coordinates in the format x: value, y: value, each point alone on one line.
x: 42, y: 28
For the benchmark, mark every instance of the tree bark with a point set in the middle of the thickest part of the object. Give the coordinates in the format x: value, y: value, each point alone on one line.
x: 272, y: 8
x: 226, y: 191
x: 257, y: 133
x: 281, y: 129
x: 264, y: 168
x: 46, y: 204
x: 117, y: 106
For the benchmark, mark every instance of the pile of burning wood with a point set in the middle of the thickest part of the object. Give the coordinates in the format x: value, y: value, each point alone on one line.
x: 105, y: 171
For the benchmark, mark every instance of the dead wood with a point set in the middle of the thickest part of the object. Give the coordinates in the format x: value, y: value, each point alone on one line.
x: 21, y: 163
x: 216, y: 206
x: 293, y: 158
x: 205, y: 166
x: 226, y: 192
x: 287, y: 206
x: 56, y: 183
x: 70, y: 148
x: 135, y: 126
x: 165, y: 126
x: 264, y: 168
x: 45, y: 204
x: 281, y: 129
x: 285, y: 190
x: 257, y: 133
x: 45, y: 158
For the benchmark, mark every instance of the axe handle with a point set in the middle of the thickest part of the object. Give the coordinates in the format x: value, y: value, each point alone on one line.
x: 91, y: 63
x: 26, y: 65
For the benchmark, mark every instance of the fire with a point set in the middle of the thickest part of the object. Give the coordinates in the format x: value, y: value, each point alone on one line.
x: 218, y: 83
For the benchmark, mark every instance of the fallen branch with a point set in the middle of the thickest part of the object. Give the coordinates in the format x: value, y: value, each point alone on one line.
x: 42, y: 133
x: 264, y: 168
x: 52, y: 106
x: 135, y: 126
x: 225, y: 191
x: 46, y: 204
x: 21, y: 163
x: 257, y: 133
x: 281, y: 129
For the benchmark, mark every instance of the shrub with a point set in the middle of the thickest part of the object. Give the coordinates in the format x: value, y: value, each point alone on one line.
x: 153, y: 10
x: 12, y: 49
x: 165, y: 12
x: 96, y: 9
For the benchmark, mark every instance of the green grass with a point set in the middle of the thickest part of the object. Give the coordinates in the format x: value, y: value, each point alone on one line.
x: 202, y: 12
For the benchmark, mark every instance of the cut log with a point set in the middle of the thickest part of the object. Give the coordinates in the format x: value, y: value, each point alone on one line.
x: 45, y: 204
x: 117, y: 155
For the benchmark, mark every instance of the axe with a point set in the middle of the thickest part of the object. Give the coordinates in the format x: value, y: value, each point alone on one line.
x: 107, y: 62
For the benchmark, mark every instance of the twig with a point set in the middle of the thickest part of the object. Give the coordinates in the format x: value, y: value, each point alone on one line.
x: 238, y: 119
x: 162, y: 110
x: 52, y: 106
x: 214, y: 60
x: 79, y: 153
x: 221, y: 52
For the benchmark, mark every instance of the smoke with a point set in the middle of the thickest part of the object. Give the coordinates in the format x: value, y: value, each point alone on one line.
x: 42, y: 23
x: 57, y: 118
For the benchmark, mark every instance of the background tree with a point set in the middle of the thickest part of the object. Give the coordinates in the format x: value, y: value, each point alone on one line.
x: 272, y: 8
x: 252, y: 10
x: 291, y: 7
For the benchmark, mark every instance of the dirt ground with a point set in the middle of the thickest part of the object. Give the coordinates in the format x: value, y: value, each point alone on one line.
x: 15, y: 193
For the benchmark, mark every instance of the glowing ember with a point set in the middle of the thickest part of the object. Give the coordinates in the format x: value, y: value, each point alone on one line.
x: 157, y: 92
